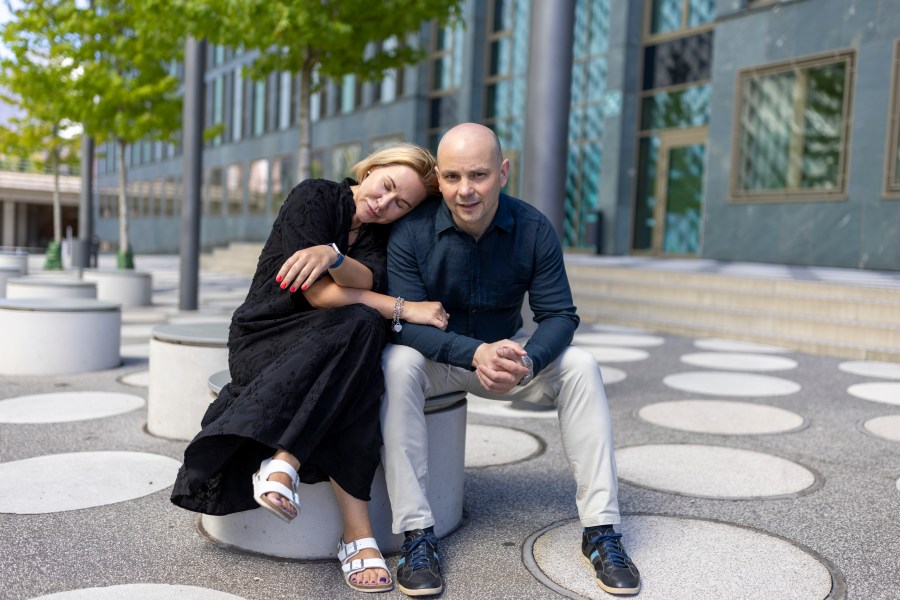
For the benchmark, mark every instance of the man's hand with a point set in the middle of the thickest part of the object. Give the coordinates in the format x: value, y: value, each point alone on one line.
x: 498, y: 367
x: 303, y: 267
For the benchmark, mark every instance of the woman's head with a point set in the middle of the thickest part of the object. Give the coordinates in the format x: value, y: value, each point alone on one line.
x: 393, y: 181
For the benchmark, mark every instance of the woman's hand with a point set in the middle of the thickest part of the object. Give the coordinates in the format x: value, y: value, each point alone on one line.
x: 304, y: 267
x: 425, y: 313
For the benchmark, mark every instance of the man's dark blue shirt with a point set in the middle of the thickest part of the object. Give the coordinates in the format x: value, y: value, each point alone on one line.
x: 482, y: 284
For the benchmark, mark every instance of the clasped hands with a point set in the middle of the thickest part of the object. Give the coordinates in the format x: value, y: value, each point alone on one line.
x: 498, y: 366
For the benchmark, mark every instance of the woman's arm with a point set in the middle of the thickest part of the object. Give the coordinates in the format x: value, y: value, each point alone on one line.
x: 325, y: 293
x: 303, y: 268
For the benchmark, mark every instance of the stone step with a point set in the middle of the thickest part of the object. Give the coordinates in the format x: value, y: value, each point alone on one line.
x: 812, y: 300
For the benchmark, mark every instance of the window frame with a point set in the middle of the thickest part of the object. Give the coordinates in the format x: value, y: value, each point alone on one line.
x: 891, y: 183
x: 651, y: 38
x: 736, y: 195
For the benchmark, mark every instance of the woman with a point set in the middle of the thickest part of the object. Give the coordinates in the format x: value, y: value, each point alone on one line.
x: 304, y: 355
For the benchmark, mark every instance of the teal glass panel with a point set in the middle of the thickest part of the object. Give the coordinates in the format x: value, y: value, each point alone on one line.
x: 582, y: 29
x: 578, y: 83
x: 599, y: 26
x: 665, y: 15
x: 501, y: 17
x: 685, y: 108
x: 822, y: 127
x: 596, y: 79
x: 684, y: 199
x: 701, y: 12
x: 645, y: 204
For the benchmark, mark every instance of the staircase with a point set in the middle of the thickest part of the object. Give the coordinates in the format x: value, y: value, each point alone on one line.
x: 238, y: 258
x: 854, y: 314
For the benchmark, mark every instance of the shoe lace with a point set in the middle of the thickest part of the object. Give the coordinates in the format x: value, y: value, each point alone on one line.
x: 615, y: 553
x: 421, y: 552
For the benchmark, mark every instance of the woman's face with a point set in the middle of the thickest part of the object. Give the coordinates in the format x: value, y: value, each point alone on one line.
x: 388, y: 193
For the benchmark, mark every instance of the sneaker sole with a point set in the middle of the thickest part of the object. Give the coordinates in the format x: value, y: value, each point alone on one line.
x: 421, y: 592
x: 606, y: 588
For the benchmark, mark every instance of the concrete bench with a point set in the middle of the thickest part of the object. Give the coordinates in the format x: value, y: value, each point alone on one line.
x: 6, y: 273
x: 125, y: 286
x: 315, y: 532
x: 49, y: 336
x: 18, y: 260
x: 55, y: 286
x: 181, y: 359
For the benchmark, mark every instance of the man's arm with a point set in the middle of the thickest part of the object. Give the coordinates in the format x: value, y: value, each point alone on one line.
x: 550, y: 298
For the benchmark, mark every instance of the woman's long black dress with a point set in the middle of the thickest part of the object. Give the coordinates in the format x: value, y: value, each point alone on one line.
x: 302, y: 379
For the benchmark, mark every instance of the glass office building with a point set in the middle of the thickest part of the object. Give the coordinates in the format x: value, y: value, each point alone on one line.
x: 752, y: 130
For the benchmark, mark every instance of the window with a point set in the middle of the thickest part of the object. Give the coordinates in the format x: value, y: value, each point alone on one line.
x: 282, y: 180
x: 892, y: 179
x: 665, y: 17
x: 258, y: 186
x: 793, y: 129
x: 343, y: 158
x: 215, y: 192
x: 234, y: 189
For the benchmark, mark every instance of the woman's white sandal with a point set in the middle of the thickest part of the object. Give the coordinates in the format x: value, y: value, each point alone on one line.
x: 345, y: 554
x: 262, y: 486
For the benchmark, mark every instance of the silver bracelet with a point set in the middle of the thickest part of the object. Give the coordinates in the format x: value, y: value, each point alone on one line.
x: 398, y: 310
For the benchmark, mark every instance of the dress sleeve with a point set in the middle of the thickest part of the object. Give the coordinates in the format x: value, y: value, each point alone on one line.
x: 310, y: 216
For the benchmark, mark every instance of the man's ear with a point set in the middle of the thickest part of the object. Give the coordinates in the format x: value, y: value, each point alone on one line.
x: 504, y: 171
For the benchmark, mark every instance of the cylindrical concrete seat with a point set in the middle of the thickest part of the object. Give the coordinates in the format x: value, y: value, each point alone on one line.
x: 125, y: 286
x: 316, y: 531
x: 18, y: 260
x: 49, y: 336
x: 181, y: 359
x: 6, y: 273
x: 50, y: 287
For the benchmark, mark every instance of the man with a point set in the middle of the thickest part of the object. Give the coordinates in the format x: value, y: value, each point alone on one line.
x: 478, y: 252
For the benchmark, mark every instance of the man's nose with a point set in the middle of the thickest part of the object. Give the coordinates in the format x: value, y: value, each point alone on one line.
x: 465, y: 187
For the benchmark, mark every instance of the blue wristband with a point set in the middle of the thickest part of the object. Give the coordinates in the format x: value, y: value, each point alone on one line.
x: 340, y: 257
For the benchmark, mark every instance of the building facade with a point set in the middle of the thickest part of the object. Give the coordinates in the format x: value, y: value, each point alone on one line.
x: 751, y: 130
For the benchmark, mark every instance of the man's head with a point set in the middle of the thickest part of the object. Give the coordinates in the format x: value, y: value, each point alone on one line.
x: 471, y: 171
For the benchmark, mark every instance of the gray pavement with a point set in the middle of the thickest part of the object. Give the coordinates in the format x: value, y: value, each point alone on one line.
x: 769, y: 487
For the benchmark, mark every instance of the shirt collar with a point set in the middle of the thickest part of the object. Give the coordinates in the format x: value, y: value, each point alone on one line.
x: 503, y: 218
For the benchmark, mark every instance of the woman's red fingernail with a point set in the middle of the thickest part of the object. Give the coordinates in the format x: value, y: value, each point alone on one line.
x: 283, y: 285
x: 279, y: 278
x: 304, y: 288
x: 293, y: 288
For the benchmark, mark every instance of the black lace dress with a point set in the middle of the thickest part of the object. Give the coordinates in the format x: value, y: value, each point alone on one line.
x: 302, y: 379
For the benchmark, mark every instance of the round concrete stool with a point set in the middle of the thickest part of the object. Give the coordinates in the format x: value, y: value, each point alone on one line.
x: 6, y: 273
x: 19, y: 260
x: 50, y: 287
x: 181, y: 359
x: 125, y: 286
x: 48, y: 336
x: 316, y: 531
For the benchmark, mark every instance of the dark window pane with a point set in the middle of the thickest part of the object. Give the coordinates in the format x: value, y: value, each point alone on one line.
x: 680, y: 61
x: 645, y: 206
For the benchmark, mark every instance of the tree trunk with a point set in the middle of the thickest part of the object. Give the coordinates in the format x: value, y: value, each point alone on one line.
x: 304, y: 122
x: 57, y: 209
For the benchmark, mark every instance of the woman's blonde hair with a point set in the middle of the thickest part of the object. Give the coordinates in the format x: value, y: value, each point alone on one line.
x: 415, y: 157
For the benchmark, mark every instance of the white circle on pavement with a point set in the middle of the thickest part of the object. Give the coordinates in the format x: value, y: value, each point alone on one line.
x: 61, y: 482
x: 610, y: 328
x: 886, y: 393
x: 137, y: 379
x: 64, y: 407
x: 720, y: 417
x: 779, y: 569
x: 487, y: 445
x: 726, y: 383
x: 142, y: 591
x: 739, y: 361
x: 871, y: 368
x: 135, y: 350
x: 503, y: 408
x: 610, y: 354
x: 711, y: 471
x: 612, y: 375
x: 617, y: 339
x: 887, y: 427
x: 724, y: 345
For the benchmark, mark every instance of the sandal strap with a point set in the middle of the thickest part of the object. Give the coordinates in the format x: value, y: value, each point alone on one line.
x: 264, y: 487
x: 351, y: 549
x: 361, y: 564
x: 276, y: 465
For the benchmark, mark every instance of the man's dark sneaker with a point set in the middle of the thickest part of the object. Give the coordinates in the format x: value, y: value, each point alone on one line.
x: 419, y: 569
x: 616, y: 574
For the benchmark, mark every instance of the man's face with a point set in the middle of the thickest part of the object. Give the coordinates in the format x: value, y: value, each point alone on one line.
x: 471, y: 174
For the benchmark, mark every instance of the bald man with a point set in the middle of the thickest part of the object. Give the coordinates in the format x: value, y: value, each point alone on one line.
x: 478, y: 252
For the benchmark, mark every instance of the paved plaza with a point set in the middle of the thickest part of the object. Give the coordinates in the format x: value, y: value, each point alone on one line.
x: 746, y: 472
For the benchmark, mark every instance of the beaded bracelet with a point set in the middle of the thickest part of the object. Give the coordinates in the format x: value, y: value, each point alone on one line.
x: 398, y: 310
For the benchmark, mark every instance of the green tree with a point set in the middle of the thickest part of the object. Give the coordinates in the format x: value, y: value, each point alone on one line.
x: 128, y: 89
x: 332, y: 38
x: 40, y: 77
